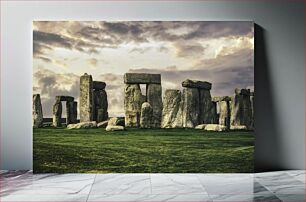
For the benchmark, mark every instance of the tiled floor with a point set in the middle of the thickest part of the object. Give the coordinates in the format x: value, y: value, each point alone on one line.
x: 273, y: 186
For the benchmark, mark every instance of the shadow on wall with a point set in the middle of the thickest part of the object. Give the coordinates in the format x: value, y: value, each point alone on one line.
x: 267, y: 145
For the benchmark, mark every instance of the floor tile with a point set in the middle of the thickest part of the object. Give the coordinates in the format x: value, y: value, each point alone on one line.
x: 150, y: 198
x: 43, y: 198
x: 120, y: 184
x: 236, y: 184
x: 292, y: 197
x: 176, y: 184
x: 297, y: 174
x: 231, y: 198
x: 48, y: 184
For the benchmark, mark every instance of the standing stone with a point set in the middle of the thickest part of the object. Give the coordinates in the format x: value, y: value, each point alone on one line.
x: 146, y: 116
x: 74, y: 117
x: 247, y: 109
x: 133, y: 100
x: 191, y: 107
x: 37, y: 112
x: 57, y: 113
x: 206, y: 115
x: 224, y: 115
x: 241, y: 110
x: 101, y: 105
x: 86, y: 98
x: 69, y: 112
x: 154, y: 97
x: 214, y: 113
x: 172, y: 109
x: 252, y: 106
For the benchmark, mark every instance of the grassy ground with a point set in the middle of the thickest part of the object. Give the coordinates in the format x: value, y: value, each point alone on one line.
x: 142, y: 151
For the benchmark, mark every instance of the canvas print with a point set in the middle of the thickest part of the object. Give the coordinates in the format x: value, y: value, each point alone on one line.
x: 143, y: 96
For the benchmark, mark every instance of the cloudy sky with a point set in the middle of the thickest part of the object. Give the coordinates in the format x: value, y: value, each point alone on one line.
x: 219, y: 52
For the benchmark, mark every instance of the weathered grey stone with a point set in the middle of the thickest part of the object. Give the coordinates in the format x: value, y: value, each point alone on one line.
x: 64, y: 98
x: 172, y: 109
x: 154, y: 97
x: 215, y: 127
x: 224, y: 113
x: 141, y: 78
x: 89, y: 124
x: 74, y: 115
x: 146, y: 116
x: 252, y: 106
x: 102, y: 124
x: 196, y: 84
x: 116, y: 121
x: 133, y: 100
x: 221, y: 98
x: 57, y: 114
x: 114, y: 128
x: 241, y: 110
x: 100, y: 105
x: 86, y: 98
x: 200, y: 127
x: 69, y: 112
x: 37, y: 112
x: 191, y: 107
x: 239, y: 127
x: 98, y: 85
x: 214, y: 113
x: 206, y: 107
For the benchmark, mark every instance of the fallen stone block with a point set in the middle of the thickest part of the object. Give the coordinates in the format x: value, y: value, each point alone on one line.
x: 200, y: 127
x: 102, y: 124
x: 114, y: 128
x: 239, y: 127
x: 215, y: 127
x: 89, y: 124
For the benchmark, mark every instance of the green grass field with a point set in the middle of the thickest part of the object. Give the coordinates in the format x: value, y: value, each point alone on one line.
x: 142, y: 151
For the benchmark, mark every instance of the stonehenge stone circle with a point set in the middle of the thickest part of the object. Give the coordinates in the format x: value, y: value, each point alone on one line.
x: 37, y: 112
x: 86, y: 100
x: 146, y: 116
x: 134, y: 99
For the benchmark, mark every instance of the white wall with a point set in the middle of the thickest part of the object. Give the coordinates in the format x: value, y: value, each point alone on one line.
x: 279, y: 72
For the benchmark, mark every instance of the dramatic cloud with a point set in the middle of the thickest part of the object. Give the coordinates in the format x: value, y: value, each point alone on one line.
x: 50, y: 84
x: 219, y: 52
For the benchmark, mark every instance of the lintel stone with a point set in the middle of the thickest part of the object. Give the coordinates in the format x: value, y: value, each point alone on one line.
x: 98, y: 85
x: 141, y: 78
x: 196, y: 84
x: 64, y: 98
x: 221, y: 98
